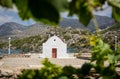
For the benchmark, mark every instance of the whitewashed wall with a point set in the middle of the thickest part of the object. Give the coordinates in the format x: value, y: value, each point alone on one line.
x: 54, y: 42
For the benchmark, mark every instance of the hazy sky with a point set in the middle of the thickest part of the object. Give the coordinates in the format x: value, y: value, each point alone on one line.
x: 10, y: 15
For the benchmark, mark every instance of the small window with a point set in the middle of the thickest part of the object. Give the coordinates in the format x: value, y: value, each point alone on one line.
x: 54, y: 39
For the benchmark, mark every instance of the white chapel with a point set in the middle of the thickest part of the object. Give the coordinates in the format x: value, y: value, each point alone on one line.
x: 54, y: 47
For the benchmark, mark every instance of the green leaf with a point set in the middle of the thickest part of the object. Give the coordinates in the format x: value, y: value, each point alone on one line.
x: 82, y: 9
x: 96, y: 3
x: 111, y: 58
x: 100, y: 43
x: 39, y: 10
x: 101, y: 1
x: 44, y: 11
x: 48, y: 11
x: 24, y: 13
x: 69, y: 71
x: 117, y: 58
x: 85, y: 68
x: 6, y: 3
x: 116, y: 13
x: 109, y: 72
x: 114, y: 3
x: 105, y: 49
x: 63, y: 77
x: 50, y: 70
x: 60, y: 5
x: 85, y: 14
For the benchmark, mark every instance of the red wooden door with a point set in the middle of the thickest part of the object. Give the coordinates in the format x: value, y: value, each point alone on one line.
x: 54, y: 52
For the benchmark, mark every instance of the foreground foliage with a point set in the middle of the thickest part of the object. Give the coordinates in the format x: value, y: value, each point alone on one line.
x: 106, y: 59
x: 49, y: 71
x: 48, y: 11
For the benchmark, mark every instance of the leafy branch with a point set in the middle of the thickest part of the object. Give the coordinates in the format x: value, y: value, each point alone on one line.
x: 48, y: 11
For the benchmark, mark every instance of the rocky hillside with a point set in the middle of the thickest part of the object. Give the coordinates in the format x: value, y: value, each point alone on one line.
x: 75, y: 39
x: 111, y: 34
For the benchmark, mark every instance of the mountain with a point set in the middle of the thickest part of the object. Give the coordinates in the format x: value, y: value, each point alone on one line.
x: 40, y: 28
x: 11, y: 28
x: 103, y: 23
x: 35, y: 29
x: 74, y: 23
x: 15, y: 30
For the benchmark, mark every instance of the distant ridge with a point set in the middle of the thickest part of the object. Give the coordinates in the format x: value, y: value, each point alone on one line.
x: 15, y: 30
x: 11, y: 28
x: 103, y: 23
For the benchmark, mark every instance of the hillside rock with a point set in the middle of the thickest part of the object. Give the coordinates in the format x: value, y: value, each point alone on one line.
x: 11, y: 28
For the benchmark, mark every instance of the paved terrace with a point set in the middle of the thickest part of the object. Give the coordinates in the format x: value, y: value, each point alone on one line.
x: 35, y: 62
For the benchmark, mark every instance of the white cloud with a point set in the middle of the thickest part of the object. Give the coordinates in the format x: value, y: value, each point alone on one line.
x: 11, y: 15
x: 5, y: 18
x: 5, y: 15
